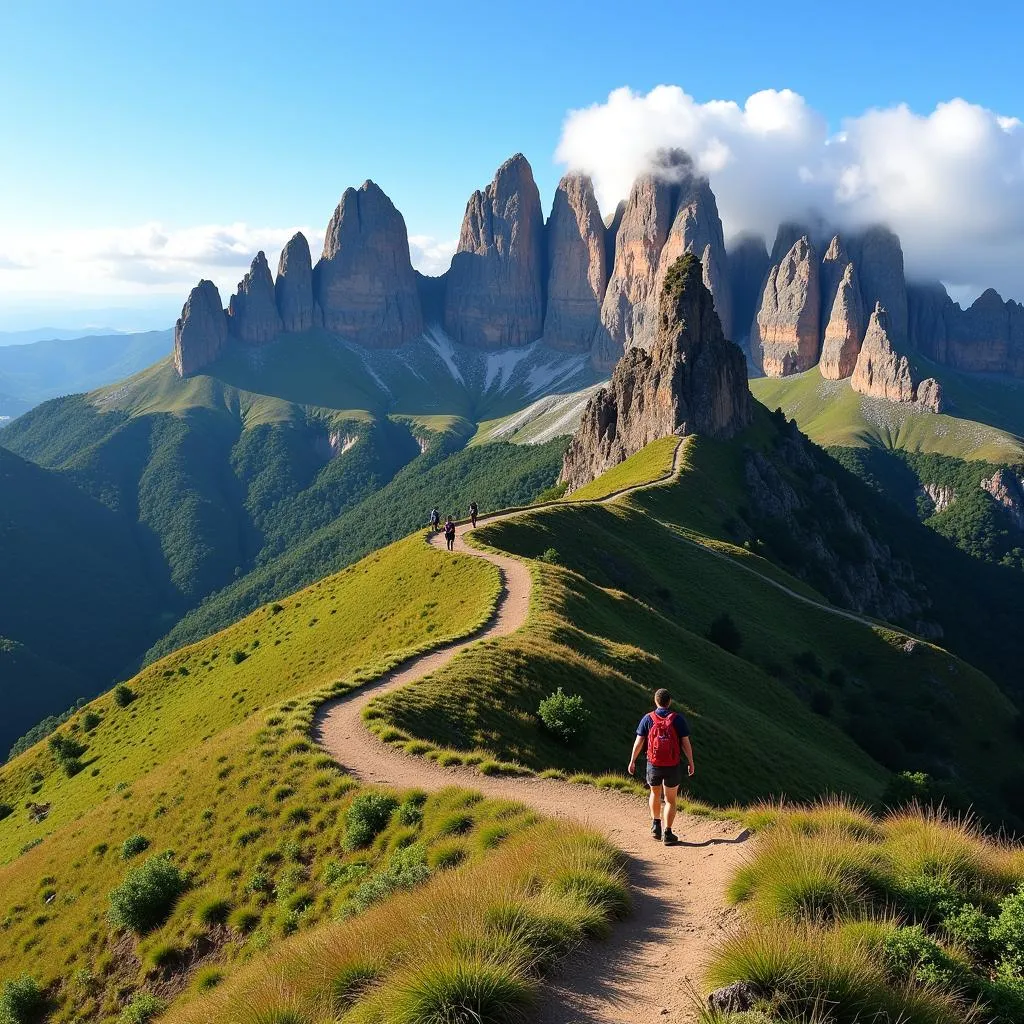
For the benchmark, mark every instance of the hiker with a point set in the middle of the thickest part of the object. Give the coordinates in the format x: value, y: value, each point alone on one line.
x: 449, y: 533
x: 667, y: 737
x: 435, y: 520
x: 473, y: 512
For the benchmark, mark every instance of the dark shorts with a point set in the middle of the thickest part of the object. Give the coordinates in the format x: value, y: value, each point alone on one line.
x: 671, y: 776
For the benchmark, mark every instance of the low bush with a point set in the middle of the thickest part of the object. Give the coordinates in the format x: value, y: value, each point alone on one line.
x: 551, y: 556
x: 144, y: 1007
x: 564, y: 716
x: 21, y: 1001
x: 724, y: 632
x: 90, y: 720
x: 123, y: 695
x: 367, y: 817
x: 147, y: 895
x: 133, y: 846
x: 405, y: 868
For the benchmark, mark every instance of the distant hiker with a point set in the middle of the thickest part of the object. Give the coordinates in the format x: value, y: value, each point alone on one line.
x: 474, y: 511
x: 435, y: 520
x: 449, y: 533
x: 667, y: 737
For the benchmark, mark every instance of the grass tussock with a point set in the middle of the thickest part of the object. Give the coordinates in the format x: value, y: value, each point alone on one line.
x: 469, y: 944
x: 916, y: 916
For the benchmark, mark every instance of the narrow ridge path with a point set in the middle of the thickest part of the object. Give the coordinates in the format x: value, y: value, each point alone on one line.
x: 650, y: 966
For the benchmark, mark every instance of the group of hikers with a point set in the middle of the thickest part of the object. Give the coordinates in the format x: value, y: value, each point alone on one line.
x: 449, y: 523
x: 663, y: 735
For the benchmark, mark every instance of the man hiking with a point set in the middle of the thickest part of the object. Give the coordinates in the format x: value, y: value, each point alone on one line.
x: 474, y: 511
x: 667, y: 737
x: 435, y: 520
x: 449, y: 533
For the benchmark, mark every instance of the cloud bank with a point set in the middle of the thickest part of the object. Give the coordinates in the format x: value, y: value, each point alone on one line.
x: 950, y: 183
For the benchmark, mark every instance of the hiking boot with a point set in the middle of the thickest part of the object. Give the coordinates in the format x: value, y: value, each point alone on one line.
x: 671, y: 839
x: 656, y: 829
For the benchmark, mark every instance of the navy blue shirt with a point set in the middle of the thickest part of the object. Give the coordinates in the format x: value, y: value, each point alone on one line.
x: 679, y: 723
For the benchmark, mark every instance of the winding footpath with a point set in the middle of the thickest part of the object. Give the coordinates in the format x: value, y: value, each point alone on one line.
x: 650, y: 967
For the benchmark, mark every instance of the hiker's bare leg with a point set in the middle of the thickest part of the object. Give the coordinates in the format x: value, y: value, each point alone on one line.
x: 655, y: 801
x: 671, y: 792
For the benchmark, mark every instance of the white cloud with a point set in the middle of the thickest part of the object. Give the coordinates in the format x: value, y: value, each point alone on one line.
x: 950, y: 183
x: 431, y: 256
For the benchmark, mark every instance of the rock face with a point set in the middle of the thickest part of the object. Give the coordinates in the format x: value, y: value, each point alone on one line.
x: 294, y: 288
x: 786, y: 331
x: 879, y: 259
x: 201, y: 331
x: 748, y: 268
x: 691, y: 381
x: 881, y: 371
x: 364, y: 282
x: 669, y: 212
x: 577, y: 265
x: 939, y: 496
x: 252, y: 311
x: 929, y: 395
x: 1008, y: 489
x: 845, y: 329
x: 494, y: 296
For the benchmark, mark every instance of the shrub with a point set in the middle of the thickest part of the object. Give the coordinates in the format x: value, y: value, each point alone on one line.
x: 21, y: 1000
x: 67, y: 752
x: 409, y: 814
x: 458, y: 989
x: 1007, y: 932
x: 367, y: 817
x: 6, y: 810
x: 133, y: 846
x: 564, y: 716
x: 237, y: 657
x: 405, y: 869
x: 146, y: 896
x: 143, y: 1007
x: 551, y: 556
x: 724, y: 632
x: 90, y: 720
x: 123, y: 695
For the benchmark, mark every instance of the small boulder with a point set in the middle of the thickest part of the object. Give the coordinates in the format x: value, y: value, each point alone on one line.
x: 738, y: 997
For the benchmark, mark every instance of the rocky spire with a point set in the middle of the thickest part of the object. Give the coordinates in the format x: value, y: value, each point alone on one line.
x: 201, y: 331
x: 669, y: 212
x: 879, y: 259
x: 494, y: 296
x: 881, y: 371
x: 833, y: 266
x: 787, y: 329
x: 252, y: 311
x: 364, y: 282
x: 294, y: 287
x: 691, y: 381
x: 577, y: 274
x: 845, y: 328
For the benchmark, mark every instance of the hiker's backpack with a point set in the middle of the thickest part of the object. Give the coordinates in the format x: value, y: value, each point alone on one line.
x: 663, y: 748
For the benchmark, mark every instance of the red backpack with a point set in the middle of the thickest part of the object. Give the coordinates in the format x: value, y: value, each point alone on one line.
x: 663, y: 750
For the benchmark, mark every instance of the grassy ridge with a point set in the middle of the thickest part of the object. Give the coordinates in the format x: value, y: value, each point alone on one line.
x: 913, y: 916
x: 796, y: 707
x: 202, y: 759
x: 650, y: 463
x: 833, y: 414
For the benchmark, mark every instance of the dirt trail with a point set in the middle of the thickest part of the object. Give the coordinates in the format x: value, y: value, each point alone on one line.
x: 644, y: 971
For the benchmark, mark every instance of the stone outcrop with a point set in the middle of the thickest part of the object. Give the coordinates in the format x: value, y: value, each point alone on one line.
x: 691, y: 381
x: 879, y: 259
x: 938, y: 497
x: 669, y: 212
x: 1008, y: 489
x: 201, y: 331
x: 494, y: 296
x: 252, y: 311
x: 845, y: 328
x: 929, y: 395
x: 833, y: 267
x: 577, y: 265
x: 881, y: 371
x: 748, y: 268
x: 293, y: 290
x: 786, y: 332
x: 364, y: 282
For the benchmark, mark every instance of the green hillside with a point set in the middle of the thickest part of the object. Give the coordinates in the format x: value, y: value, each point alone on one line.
x: 79, y: 595
x: 984, y: 422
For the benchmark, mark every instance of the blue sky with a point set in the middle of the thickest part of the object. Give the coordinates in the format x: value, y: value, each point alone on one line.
x: 118, y: 115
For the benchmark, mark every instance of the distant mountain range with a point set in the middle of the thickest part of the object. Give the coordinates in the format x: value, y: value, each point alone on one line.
x: 33, y: 371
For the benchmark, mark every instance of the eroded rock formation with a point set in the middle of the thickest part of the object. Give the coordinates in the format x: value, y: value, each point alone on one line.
x: 494, y: 297
x: 201, y: 331
x: 786, y: 332
x: 879, y: 259
x: 298, y: 309
x: 881, y: 371
x: 1008, y: 489
x: 364, y: 282
x: 252, y: 311
x: 845, y: 329
x: 577, y: 265
x: 691, y: 381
